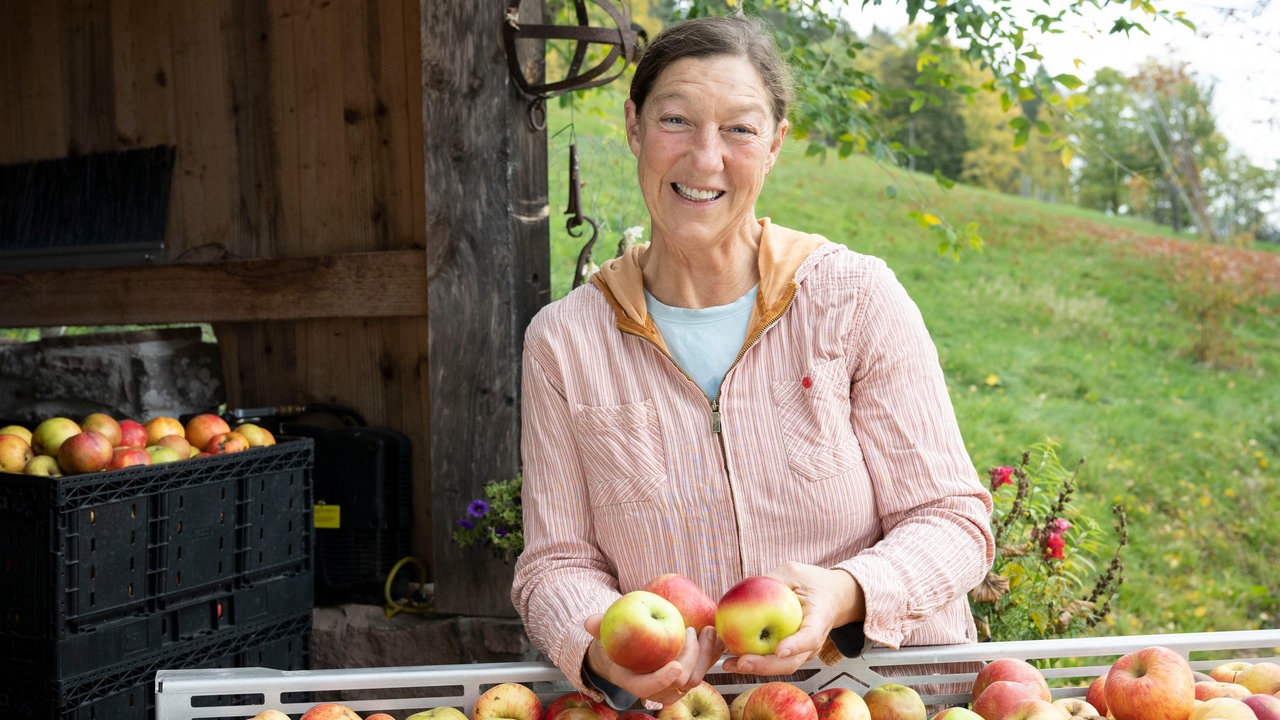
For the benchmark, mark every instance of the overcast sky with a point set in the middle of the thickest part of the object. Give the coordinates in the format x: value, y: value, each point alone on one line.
x: 1235, y: 49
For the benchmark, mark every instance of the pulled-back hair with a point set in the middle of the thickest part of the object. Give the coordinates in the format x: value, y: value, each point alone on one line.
x: 735, y: 35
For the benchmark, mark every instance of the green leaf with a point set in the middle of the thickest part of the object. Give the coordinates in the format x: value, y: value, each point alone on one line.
x: 1071, y: 82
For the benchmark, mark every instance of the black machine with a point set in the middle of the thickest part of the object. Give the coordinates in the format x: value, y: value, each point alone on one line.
x: 362, y: 488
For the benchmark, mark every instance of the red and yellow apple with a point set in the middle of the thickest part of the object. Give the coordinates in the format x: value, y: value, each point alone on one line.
x: 49, y: 435
x: 227, y: 442
x: 695, y: 606
x: 892, y: 701
x: 1076, y: 707
x: 270, y: 715
x: 257, y: 435
x: 1229, y: 671
x: 18, y: 430
x: 444, y: 712
x: 578, y: 700
x: 103, y: 423
x: 379, y: 716
x: 1036, y: 709
x: 202, y: 428
x: 642, y: 631
x: 1154, y: 683
x: 1015, y: 669
x: 132, y: 433
x: 1222, y: 708
x: 1266, y: 707
x: 701, y: 702
x: 1262, y: 678
x: 739, y: 702
x: 956, y: 713
x: 839, y: 703
x: 85, y: 452
x: 330, y: 711
x: 507, y: 701
x: 161, y: 454
x: 179, y: 443
x: 1096, y: 695
x: 1000, y: 697
x: 1209, y: 689
x: 123, y: 457
x: 15, y: 453
x: 753, y: 616
x: 778, y: 700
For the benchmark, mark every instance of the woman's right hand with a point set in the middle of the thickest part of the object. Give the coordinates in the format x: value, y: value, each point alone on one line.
x: 668, y: 683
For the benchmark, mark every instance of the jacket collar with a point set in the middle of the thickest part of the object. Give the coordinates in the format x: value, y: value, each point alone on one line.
x: 782, y: 252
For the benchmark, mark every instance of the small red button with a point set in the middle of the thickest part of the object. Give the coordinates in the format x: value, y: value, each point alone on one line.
x: 806, y: 382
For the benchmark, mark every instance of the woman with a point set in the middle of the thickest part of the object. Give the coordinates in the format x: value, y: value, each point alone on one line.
x: 735, y: 399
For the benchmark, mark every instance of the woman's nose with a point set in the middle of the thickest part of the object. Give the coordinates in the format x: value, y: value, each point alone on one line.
x: 708, y: 150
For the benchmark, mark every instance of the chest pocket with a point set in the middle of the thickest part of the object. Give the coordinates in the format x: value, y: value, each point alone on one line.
x: 813, y: 412
x: 621, y: 451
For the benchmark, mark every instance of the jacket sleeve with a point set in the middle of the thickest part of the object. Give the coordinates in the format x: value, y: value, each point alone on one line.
x: 933, y: 511
x: 561, y: 577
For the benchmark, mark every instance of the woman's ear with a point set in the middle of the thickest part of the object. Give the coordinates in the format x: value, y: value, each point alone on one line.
x: 633, y: 126
x: 776, y: 146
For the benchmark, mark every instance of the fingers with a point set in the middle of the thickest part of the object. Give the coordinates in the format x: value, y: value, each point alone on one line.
x: 592, y: 624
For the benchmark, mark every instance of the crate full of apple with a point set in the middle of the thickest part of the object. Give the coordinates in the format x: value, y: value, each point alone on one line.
x: 1142, y: 678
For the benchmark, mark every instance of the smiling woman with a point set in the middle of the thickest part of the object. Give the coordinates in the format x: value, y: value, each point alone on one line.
x: 732, y: 399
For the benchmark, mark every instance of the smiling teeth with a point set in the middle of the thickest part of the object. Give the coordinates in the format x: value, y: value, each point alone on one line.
x: 693, y: 194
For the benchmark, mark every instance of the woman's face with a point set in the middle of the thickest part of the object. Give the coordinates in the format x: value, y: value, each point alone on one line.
x: 704, y: 142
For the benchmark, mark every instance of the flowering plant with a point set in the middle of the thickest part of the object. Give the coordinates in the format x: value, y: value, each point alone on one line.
x: 1044, y: 581
x: 496, y: 521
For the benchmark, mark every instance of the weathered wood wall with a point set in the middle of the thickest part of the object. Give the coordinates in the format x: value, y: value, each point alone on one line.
x: 298, y: 127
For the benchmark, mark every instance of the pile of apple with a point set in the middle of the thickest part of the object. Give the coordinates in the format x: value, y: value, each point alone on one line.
x: 61, y: 446
x: 645, y: 629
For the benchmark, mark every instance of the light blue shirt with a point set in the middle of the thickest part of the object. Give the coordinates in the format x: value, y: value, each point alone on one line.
x: 704, y: 342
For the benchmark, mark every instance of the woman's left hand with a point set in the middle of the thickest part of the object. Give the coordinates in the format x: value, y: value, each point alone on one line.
x: 829, y: 598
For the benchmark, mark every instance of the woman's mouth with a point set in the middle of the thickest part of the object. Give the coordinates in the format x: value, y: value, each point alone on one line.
x: 694, y: 194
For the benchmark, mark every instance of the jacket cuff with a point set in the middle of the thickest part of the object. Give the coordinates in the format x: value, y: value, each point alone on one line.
x: 616, y: 697
x: 885, y: 597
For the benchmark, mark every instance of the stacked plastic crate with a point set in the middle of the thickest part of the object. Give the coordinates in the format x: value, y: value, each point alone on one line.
x: 108, y: 577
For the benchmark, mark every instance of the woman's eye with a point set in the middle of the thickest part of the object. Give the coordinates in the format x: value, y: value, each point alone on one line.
x: 673, y: 120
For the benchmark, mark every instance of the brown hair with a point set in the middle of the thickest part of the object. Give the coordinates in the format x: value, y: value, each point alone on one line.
x: 734, y: 35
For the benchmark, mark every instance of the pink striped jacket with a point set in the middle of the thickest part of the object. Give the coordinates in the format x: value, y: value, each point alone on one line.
x: 833, y: 442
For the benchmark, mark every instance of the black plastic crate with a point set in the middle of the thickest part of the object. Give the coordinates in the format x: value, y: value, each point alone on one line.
x: 85, y: 551
x: 130, y: 639
x: 126, y: 690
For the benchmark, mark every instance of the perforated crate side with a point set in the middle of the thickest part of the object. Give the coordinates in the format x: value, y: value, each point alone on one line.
x: 274, y: 528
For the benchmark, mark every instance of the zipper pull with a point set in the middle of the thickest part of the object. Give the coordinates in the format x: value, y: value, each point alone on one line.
x: 715, y: 416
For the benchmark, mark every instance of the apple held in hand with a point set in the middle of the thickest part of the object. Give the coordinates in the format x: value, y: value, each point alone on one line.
x: 642, y: 632
x: 779, y: 700
x: 1154, y: 683
x: 1014, y: 669
x: 702, y: 702
x: 839, y: 703
x: 508, y: 701
x: 330, y: 711
x: 578, y: 700
x: 444, y: 712
x: 756, y: 614
x: 695, y: 606
x: 894, y: 702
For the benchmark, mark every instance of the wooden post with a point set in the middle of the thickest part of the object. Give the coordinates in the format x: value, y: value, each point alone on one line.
x: 487, y: 274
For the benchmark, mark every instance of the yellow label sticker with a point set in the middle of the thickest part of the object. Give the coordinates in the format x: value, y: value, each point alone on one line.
x: 327, y: 517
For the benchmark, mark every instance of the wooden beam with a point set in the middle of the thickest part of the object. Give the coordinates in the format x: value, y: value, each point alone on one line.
x: 355, y: 285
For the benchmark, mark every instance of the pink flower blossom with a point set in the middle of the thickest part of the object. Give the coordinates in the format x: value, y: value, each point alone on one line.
x: 1054, y: 544
x: 1057, y: 526
x: 1002, y: 475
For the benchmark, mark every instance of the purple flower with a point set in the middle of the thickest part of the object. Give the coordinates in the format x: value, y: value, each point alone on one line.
x: 466, y: 524
x: 478, y: 508
x: 1002, y: 475
x: 500, y: 532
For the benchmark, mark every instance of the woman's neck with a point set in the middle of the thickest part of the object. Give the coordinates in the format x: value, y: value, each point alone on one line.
x: 701, y: 278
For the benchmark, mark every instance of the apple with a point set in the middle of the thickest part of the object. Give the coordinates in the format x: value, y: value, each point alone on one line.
x: 123, y: 457
x: 838, y: 703
x: 1036, y: 709
x: 634, y: 715
x: 161, y: 454
x: 15, y: 453
x: 85, y: 452
x: 132, y: 434
x: 702, y: 702
x: 1262, y: 678
x: 1096, y: 695
x: 642, y: 631
x: 444, y: 712
x: 227, y: 442
x: 1014, y: 669
x: 1154, y: 683
x: 1001, y: 697
x: 379, y: 716
x: 578, y: 700
x: 1222, y: 708
x: 103, y: 423
x: 270, y: 715
x: 753, y: 616
x: 1077, y: 707
x: 1266, y: 707
x: 1209, y: 689
x: 739, y: 702
x: 257, y: 435
x: 179, y: 443
x: 18, y: 430
x: 695, y: 606
x: 45, y: 465
x: 329, y: 711
x: 202, y: 428
x: 508, y: 701
x: 49, y: 435
x: 161, y: 425
x: 894, y: 702
x: 1229, y: 671
x: 779, y: 700
x: 956, y: 713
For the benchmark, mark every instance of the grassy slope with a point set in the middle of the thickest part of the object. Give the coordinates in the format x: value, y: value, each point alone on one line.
x: 1067, y: 327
